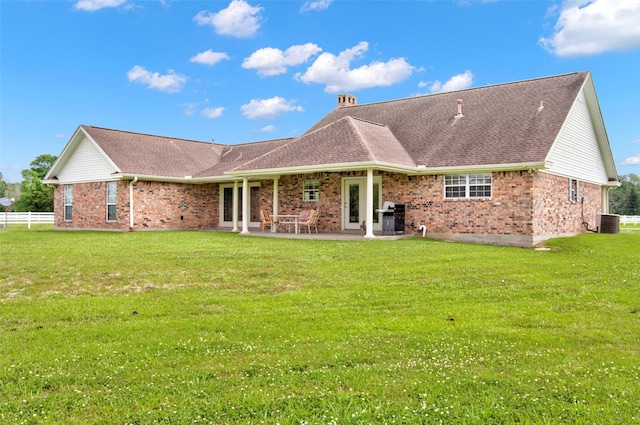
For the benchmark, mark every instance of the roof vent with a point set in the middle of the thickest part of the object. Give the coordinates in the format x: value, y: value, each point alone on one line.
x: 345, y: 100
x: 459, y: 115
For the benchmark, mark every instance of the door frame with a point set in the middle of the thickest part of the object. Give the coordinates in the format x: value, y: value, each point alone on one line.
x: 238, y: 208
x: 362, y: 194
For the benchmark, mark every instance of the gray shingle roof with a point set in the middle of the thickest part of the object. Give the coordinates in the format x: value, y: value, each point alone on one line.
x: 145, y: 154
x: 501, y: 124
x: 344, y: 141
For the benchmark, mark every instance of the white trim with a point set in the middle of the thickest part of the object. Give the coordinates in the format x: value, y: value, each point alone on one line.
x: 246, y: 207
x: 384, y: 166
x: 68, y: 151
x: 114, y: 203
x: 65, y: 204
x: 467, y: 187
x: 236, y: 223
x: 344, y: 202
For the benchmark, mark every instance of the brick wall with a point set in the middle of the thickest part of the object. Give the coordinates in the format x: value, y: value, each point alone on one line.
x: 160, y: 205
x: 90, y: 207
x: 290, y: 198
x: 508, y: 212
x: 555, y: 214
x: 156, y: 206
x: 523, y: 204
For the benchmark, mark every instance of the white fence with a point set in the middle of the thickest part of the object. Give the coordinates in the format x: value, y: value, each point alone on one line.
x: 27, y: 218
x: 630, y: 219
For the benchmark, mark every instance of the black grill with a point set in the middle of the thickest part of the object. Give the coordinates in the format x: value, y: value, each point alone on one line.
x: 393, y: 220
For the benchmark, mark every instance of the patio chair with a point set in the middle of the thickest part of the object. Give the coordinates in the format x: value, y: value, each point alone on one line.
x: 265, y: 220
x: 310, y: 220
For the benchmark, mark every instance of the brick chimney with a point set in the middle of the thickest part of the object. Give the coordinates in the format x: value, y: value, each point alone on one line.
x: 345, y: 100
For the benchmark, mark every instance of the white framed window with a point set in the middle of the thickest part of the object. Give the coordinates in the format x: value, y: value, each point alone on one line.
x: 468, y: 186
x: 111, y: 201
x: 68, y: 202
x: 574, y: 189
x: 311, y: 190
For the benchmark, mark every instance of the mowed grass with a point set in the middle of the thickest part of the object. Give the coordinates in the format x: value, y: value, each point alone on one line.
x: 206, y: 327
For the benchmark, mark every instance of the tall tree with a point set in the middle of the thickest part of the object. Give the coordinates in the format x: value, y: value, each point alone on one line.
x: 625, y: 200
x: 35, y: 195
x: 633, y: 202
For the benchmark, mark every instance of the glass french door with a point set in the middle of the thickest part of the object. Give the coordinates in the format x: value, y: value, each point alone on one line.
x: 354, y: 194
x: 226, y: 218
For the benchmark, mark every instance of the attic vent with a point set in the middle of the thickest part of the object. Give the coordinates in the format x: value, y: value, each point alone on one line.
x: 347, y: 100
x: 459, y: 115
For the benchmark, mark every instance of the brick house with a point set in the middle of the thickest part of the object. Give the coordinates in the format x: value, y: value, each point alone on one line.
x: 508, y: 164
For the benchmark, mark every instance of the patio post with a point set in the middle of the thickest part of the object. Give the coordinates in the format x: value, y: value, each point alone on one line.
x: 245, y: 206
x: 274, y: 213
x: 234, y: 206
x: 369, y: 209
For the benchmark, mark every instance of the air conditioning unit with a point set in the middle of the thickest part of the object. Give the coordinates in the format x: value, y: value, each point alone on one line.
x: 608, y: 223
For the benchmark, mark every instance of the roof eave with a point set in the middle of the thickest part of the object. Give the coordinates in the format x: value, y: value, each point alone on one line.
x: 384, y: 166
x: 164, y: 179
x: 345, y: 166
x: 528, y: 166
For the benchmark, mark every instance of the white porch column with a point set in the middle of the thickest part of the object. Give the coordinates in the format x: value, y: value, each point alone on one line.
x: 604, y: 208
x: 131, y: 209
x: 234, y: 207
x: 369, y: 209
x: 274, y: 212
x: 245, y: 206
x: 276, y: 180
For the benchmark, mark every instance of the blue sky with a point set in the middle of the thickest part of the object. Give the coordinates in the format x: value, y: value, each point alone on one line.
x: 241, y: 71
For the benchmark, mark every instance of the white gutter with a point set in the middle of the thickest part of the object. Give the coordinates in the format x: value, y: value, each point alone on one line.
x: 351, y: 166
x: 135, y: 179
x: 412, y: 170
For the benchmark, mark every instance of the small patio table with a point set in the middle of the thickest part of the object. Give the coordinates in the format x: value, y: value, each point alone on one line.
x: 286, y: 219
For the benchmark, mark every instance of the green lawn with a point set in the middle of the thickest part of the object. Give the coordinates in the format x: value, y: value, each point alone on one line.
x: 205, y: 327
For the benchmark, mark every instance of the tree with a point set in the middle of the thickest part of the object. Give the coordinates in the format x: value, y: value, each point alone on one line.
x: 35, y: 195
x: 3, y: 189
x: 625, y: 200
x: 633, y: 202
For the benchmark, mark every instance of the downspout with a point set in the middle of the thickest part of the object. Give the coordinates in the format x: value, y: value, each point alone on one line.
x: 133, y: 182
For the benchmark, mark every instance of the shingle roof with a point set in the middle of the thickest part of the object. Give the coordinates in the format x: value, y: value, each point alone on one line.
x: 145, y: 154
x: 347, y: 140
x: 501, y: 124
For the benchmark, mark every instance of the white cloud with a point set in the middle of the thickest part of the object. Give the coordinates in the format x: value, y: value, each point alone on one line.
x: 313, y: 5
x: 457, y: 82
x: 269, y: 108
x: 209, y: 57
x: 632, y: 160
x: 93, y: 5
x: 335, y: 72
x: 268, y: 128
x: 170, y: 82
x: 189, y: 108
x: 270, y: 61
x: 590, y: 27
x: 239, y: 19
x: 213, y: 112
